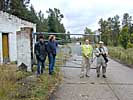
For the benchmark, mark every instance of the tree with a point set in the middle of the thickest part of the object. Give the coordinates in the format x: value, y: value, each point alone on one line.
x: 126, y: 22
x: 42, y: 23
x: 32, y: 17
x: 124, y: 37
x: 115, y: 30
x: 2, y: 5
x: 15, y: 7
x: 104, y: 30
x: 89, y: 32
x: 20, y: 8
x: 131, y: 38
x: 110, y: 30
x: 54, y: 22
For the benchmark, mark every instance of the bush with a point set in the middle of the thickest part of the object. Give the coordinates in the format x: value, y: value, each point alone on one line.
x: 124, y: 55
x: 129, y: 45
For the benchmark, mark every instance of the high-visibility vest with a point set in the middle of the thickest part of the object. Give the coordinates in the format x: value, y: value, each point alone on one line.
x: 87, y: 50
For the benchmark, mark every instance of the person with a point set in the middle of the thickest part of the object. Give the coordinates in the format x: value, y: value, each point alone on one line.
x: 86, y: 54
x: 41, y: 54
x: 51, y: 47
x: 101, y: 54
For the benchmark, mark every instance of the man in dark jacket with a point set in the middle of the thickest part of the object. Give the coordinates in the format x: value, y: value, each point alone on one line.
x: 41, y: 53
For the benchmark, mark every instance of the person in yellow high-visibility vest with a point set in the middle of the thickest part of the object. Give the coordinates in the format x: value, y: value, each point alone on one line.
x: 86, y: 55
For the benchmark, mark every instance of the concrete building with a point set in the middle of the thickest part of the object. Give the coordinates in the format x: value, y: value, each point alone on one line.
x: 9, y: 27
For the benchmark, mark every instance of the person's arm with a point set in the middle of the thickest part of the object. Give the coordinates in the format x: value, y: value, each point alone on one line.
x: 36, y: 49
x: 91, y: 50
x: 48, y: 47
x: 97, y: 53
x: 105, y: 50
x: 56, y: 44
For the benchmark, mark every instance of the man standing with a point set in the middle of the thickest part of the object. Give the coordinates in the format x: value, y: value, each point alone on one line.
x: 86, y: 54
x: 101, y: 54
x: 41, y: 53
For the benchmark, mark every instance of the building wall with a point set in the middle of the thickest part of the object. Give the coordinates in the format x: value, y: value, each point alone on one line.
x: 11, y: 24
x: 12, y: 47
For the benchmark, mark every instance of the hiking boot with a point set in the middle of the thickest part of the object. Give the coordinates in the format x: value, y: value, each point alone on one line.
x: 50, y: 73
x: 98, y: 75
x: 81, y: 76
x: 104, y: 76
x: 87, y: 75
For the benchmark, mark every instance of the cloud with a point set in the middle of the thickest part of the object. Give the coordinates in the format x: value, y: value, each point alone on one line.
x: 79, y: 14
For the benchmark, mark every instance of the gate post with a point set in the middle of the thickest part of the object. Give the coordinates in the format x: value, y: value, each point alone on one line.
x: 24, y: 51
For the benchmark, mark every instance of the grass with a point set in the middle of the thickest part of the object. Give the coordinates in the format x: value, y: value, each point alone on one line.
x: 38, y: 88
x: 124, y: 55
x: 17, y: 85
x: 8, y: 78
x: 45, y: 85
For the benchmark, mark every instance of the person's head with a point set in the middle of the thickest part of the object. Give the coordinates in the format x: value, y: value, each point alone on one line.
x: 101, y: 43
x: 52, y: 38
x: 87, y: 41
x: 41, y: 38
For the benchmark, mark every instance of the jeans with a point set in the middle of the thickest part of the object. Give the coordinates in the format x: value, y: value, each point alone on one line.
x: 51, y: 59
x: 40, y: 66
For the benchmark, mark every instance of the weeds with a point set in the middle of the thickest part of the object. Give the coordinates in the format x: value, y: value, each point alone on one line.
x: 124, y: 55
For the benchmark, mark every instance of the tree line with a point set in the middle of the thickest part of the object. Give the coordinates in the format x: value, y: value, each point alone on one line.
x: 25, y: 11
x: 117, y: 32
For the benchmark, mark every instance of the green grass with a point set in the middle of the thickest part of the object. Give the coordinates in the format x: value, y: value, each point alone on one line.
x: 17, y: 85
x: 45, y: 85
x: 38, y: 88
x: 8, y: 78
x: 124, y: 55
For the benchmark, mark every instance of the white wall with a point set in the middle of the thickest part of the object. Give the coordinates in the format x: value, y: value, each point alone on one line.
x: 1, y: 56
x: 12, y: 47
x: 11, y: 24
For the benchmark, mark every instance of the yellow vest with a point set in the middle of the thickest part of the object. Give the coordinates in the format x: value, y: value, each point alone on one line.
x: 87, y: 50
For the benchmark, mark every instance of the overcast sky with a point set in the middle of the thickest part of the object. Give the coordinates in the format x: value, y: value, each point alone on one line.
x: 79, y: 14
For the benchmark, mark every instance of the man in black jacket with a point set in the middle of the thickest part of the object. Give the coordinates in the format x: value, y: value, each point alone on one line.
x: 41, y: 53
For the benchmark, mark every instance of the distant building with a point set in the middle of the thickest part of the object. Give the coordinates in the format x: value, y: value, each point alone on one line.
x: 10, y: 26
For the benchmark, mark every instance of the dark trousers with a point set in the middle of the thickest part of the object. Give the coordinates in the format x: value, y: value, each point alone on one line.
x: 51, y: 59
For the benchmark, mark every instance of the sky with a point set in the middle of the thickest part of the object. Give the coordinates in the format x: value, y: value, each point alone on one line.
x: 79, y: 14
